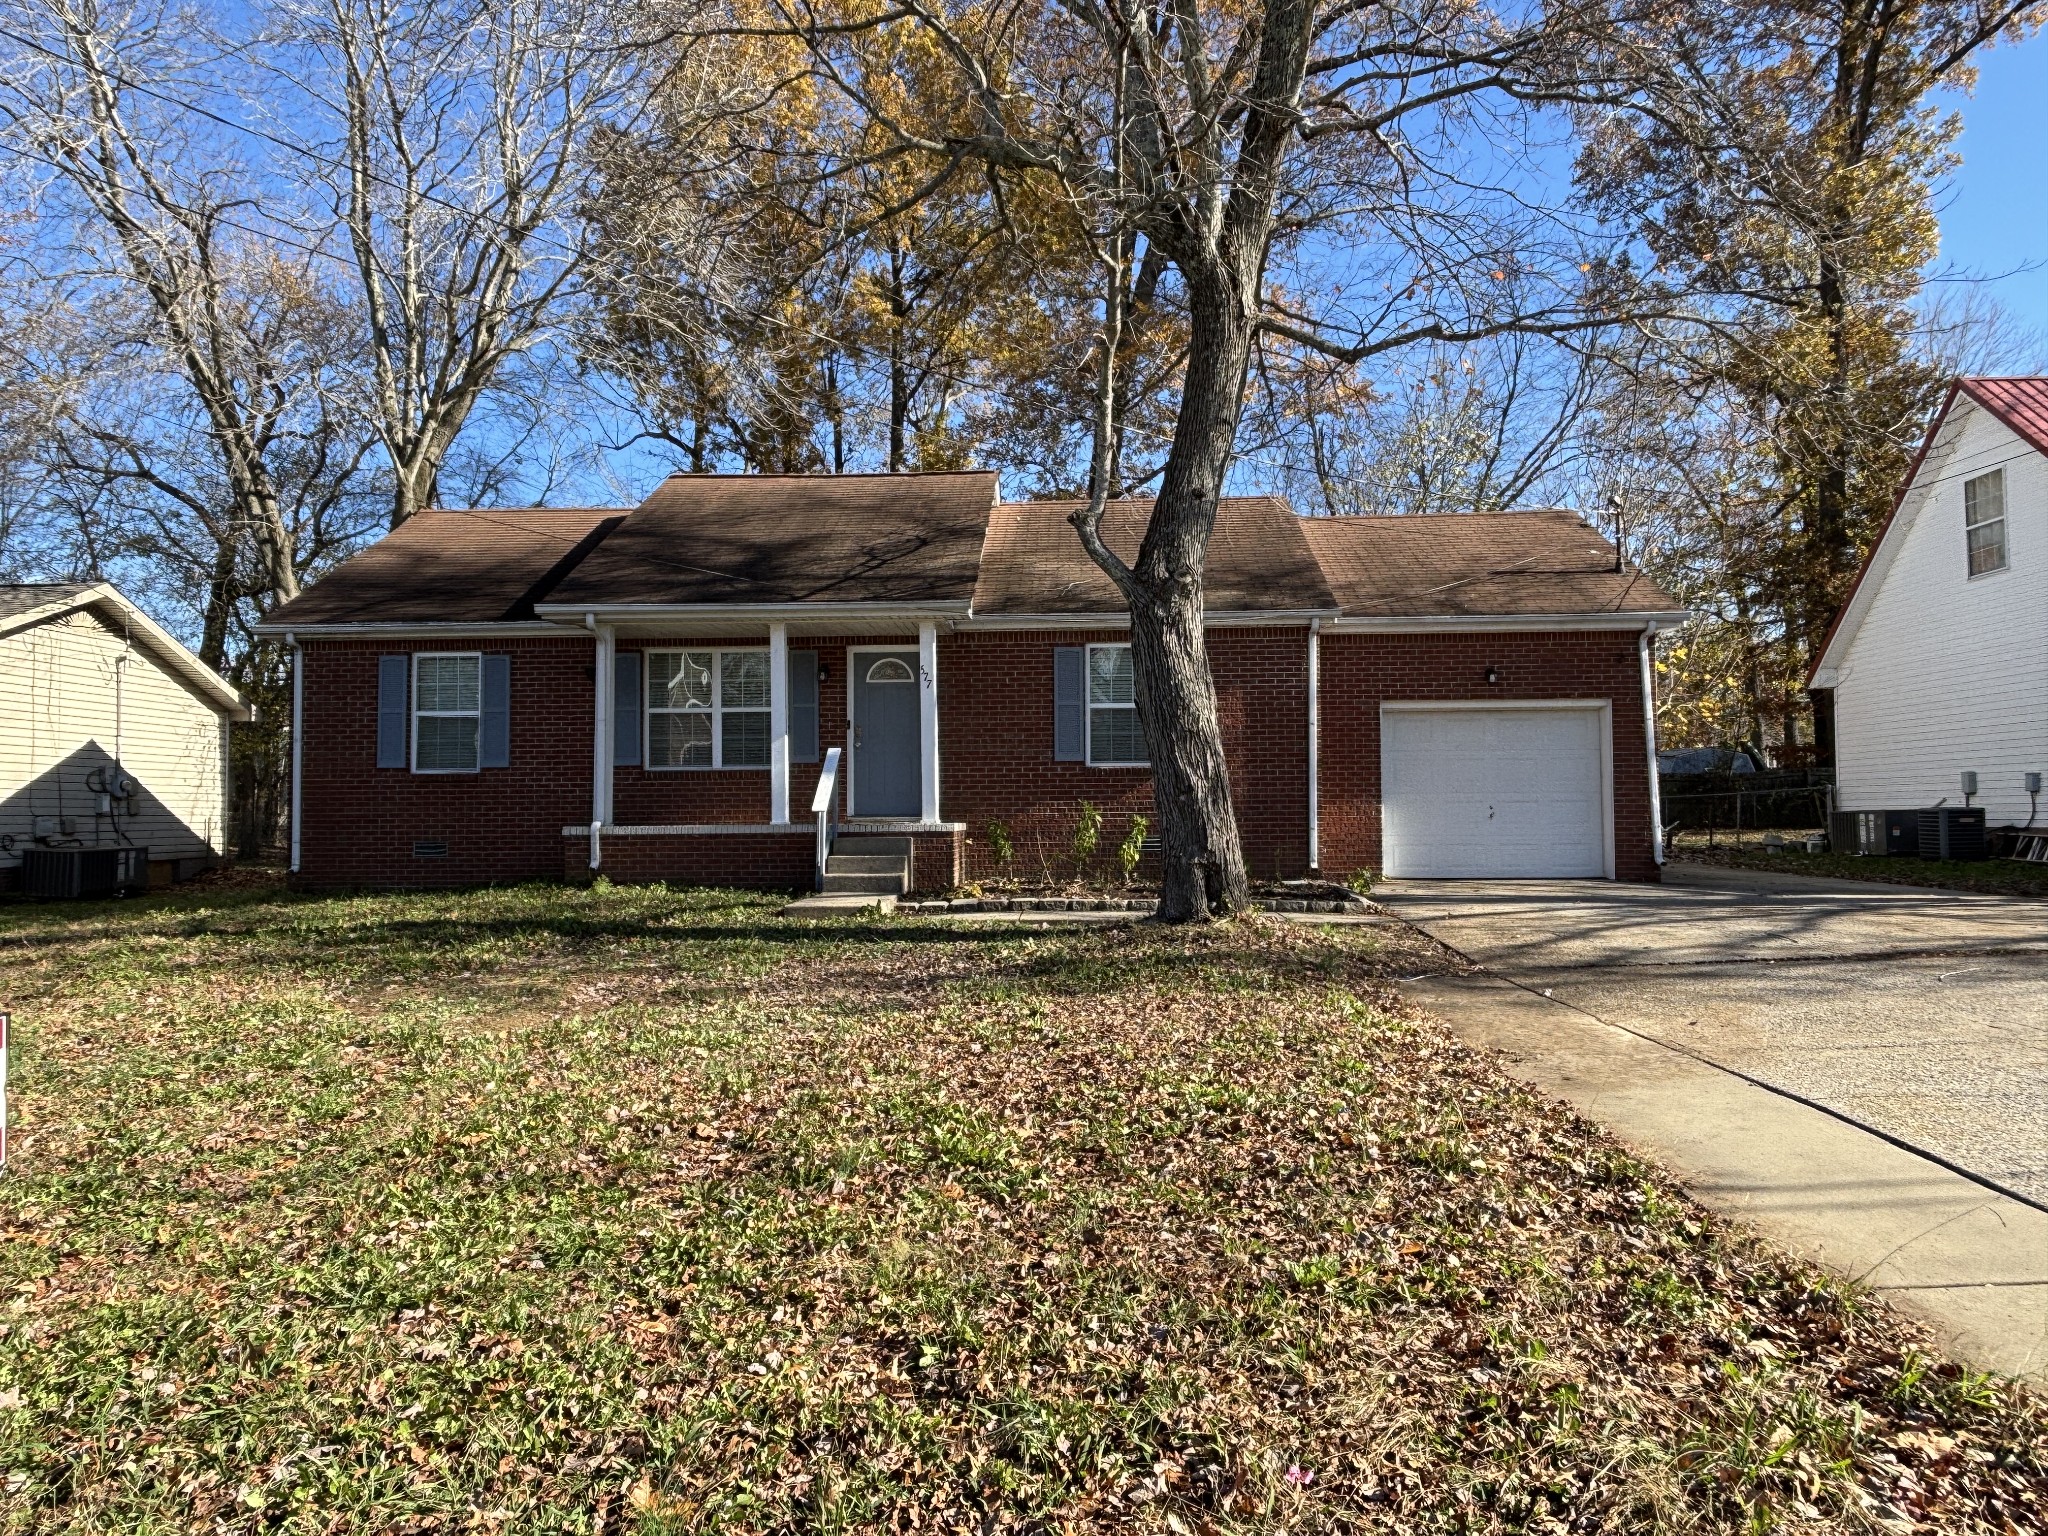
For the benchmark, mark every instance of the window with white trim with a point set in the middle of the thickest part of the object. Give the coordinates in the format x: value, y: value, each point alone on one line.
x: 447, y: 705
x: 707, y: 709
x: 1984, y: 522
x: 1115, y: 739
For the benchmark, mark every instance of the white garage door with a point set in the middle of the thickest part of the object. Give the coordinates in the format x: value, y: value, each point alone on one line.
x: 1495, y: 793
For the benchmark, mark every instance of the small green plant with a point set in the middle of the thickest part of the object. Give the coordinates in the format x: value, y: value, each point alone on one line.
x: 1132, y: 848
x: 1087, y: 833
x: 999, y: 842
x: 1361, y: 882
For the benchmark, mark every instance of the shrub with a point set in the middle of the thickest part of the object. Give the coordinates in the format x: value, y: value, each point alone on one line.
x: 1132, y: 848
x: 999, y: 842
x: 1087, y: 833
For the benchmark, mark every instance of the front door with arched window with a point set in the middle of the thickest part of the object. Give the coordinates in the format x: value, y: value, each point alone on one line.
x: 888, y: 777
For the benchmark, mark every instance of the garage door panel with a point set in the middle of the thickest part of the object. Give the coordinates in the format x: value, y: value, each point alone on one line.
x: 1501, y: 793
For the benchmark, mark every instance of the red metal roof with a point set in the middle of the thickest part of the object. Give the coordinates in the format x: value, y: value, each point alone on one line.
x: 2021, y: 404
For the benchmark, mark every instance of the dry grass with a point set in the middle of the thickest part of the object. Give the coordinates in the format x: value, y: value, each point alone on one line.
x: 631, y: 1210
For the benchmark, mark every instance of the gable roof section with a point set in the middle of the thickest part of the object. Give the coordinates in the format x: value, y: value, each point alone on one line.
x: 444, y: 567
x: 1033, y: 562
x: 1478, y: 565
x: 2020, y: 404
x: 22, y: 601
x: 27, y: 604
x: 793, y: 540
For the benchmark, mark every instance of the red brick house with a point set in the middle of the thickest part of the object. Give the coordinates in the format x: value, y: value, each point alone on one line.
x: 656, y: 693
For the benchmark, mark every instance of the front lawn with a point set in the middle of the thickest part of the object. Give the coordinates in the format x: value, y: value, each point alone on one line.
x: 638, y: 1210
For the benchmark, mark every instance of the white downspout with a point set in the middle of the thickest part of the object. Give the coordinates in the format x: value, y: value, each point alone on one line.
x: 1315, y: 731
x: 928, y: 716
x: 298, y: 737
x: 601, y: 731
x: 778, y: 724
x: 1650, y: 743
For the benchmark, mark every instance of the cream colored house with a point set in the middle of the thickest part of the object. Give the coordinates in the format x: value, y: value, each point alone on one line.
x: 115, y: 736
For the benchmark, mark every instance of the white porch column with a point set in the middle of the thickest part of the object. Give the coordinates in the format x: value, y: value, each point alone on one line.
x: 601, y: 732
x: 928, y: 716
x: 778, y: 724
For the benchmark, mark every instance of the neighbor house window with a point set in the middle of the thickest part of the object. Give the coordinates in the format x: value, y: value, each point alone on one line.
x: 447, y: 694
x: 707, y: 709
x: 1114, y: 735
x: 1984, y: 521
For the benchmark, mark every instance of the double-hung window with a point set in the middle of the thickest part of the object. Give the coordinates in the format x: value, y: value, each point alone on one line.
x: 447, y: 692
x: 1115, y: 739
x: 707, y: 709
x: 1984, y: 522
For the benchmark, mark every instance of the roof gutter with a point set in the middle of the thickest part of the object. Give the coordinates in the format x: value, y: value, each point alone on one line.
x: 1435, y: 623
x: 1214, y: 618
x: 617, y: 613
x: 408, y: 629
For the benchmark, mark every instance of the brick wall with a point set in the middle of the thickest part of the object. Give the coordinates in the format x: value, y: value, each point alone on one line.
x: 358, y: 822
x: 1359, y: 672
x: 768, y: 861
x: 996, y: 762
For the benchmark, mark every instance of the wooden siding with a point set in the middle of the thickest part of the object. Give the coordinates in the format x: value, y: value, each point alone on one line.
x: 1946, y: 672
x: 58, y: 686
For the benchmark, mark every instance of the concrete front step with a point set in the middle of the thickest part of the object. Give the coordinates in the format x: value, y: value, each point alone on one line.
x: 856, y: 842
x: 838, y: 905
x: 866, y: 863
x: 841, y: 882
x: 868, y: 866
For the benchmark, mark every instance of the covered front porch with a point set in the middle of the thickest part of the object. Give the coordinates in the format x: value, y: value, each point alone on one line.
x: 731, y: 751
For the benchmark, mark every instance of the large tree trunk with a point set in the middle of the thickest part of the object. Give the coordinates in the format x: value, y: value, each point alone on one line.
x: 1204, y: 873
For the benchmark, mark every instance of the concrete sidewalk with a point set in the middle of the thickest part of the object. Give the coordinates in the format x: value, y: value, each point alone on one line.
x: 1969, y: 1261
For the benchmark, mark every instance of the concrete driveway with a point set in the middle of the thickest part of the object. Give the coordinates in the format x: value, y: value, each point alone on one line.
x: 1921, y: 1013
x: 1683, y: 1016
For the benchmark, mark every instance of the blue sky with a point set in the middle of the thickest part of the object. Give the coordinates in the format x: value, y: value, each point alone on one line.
x: 1994, y: 216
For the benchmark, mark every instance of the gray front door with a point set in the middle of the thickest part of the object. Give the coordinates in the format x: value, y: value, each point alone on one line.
x: 887, y: 767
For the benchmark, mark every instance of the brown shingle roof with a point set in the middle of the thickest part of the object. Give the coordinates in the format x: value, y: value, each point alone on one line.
x: 1477, y: 565
x: 479, y: 567
x: 1034, y: 563
x: 782, y: 539
x: 18, y: 597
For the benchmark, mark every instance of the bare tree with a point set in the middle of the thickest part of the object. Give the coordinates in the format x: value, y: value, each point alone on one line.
x: 455, y: 177
x: 88, y: 91
x: 1215, y: 145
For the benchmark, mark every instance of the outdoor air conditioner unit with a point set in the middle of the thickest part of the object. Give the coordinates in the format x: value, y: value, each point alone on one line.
x: 1953, y: 832
x: 77, y: 874
x: 1875, y: 834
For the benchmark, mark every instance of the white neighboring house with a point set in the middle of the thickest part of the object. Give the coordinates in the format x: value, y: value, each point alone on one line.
x: 116, y: 735
x: 1938, y: 663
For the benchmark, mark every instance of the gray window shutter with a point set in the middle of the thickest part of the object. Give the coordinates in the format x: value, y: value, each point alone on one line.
x: 803, y: 706
x: 394, y: 679
x: 626, y: 709
x: 1070, y: 703
x: 494, y: 721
